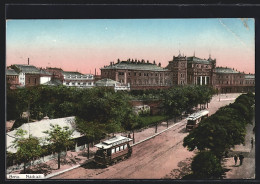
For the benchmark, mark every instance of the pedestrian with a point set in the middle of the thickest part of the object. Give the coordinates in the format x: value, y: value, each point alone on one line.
x: 235, y: 158
x: 241, y: 158
x: 252, y: 142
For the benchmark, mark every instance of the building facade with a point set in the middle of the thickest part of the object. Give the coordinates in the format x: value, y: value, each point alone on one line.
x: 138, y: 74
x: 29, y: 75
x: 181, y: 70
x: 12, y: 78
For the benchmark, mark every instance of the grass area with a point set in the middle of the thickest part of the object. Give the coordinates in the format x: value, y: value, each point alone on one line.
x: 148, y: 120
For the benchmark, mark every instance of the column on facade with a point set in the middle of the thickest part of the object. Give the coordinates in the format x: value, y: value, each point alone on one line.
x: 205, y: 80
x: 163, y: 77
x: 125, y: 82
x: 117, y: 76
x: 200, y: 80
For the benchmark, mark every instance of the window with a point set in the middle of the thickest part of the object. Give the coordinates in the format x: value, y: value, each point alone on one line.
x: 140, y: 74
x: 112, y: 150
x: 121, y: 147
x: 35, y: 81
x: 125, y: 146
x: 129, y: 73
x: 89, y: 83
x: 67, y: 83
x: 121, y: 73
x: 78, y: 83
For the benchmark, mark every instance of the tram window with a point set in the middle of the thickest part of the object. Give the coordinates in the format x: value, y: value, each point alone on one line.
x: 117, y: 149
x: 121, y: 147
x: 112, y: 150
x: 125, y: 146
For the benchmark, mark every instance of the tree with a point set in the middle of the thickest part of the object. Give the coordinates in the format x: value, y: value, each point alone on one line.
x: 92, y: 131
x: 59, y: 139
x: 206, y: 165
x: 27, y: 148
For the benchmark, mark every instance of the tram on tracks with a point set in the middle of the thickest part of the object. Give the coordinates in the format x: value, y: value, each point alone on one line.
x: 194, y: 119
x: 113, y: 150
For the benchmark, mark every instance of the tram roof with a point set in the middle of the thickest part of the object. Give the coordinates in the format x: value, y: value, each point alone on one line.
x: 197, y: 115
x: 113, y: 142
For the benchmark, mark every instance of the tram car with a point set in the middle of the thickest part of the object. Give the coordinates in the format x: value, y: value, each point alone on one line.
x: 113, y: 150
x: 194, y: 119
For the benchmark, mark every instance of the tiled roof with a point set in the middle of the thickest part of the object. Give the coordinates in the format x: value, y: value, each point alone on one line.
x: 225, y: 70
x: 43, y: 72
x: 135, y: 66
x: 249, y: 76
x: 28, y: 69
x: 106, y: 82
x: 36, y: 129
x: 11, y: 72
x: 198, y: 60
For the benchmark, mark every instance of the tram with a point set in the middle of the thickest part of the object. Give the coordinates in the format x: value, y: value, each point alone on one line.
x: 194, y: 119
x: 113, y: 150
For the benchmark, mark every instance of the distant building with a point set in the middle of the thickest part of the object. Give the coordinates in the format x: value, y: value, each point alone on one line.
x: 72, y: 79
x: 181, y: 70
x: 229, y: 80
x: 139, y: 74
x: 29, y: 75
x: 77, y: 79
x: 12, y: 78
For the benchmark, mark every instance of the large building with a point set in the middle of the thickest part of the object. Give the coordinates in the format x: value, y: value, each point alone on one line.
x: 29, y: 75
x: 181, y: 70
x: 138, y: 74
x: 72, y: 79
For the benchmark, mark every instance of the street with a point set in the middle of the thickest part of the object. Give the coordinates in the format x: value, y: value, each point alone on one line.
x: 157, y: 158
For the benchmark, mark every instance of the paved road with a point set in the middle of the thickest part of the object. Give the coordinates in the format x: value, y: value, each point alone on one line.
x: 152, y: 159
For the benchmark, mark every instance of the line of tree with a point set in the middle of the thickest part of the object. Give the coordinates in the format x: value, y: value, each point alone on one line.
x: 184, y: 99
x: 217, y: 134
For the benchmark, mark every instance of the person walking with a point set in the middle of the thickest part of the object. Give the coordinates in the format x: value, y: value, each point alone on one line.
x: 252, y: 143
x: 241, y: 158
x: 235, y: 158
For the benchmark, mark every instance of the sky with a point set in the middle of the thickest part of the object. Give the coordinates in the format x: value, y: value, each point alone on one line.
x: 87, y: 44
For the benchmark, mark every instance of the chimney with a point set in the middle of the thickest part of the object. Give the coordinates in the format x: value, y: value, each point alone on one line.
x: 28, y: 61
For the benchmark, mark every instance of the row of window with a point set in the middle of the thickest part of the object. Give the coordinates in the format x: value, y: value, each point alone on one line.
x: 138, y: 74
x: 78, y: 83
x: 119, y: 148
x: 79, y: 77
x: 250, y: 82
x: 140, y: 82
x: 240, y: 82
x: 221, y: 77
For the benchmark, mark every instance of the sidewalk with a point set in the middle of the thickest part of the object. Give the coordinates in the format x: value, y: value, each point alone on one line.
x: 247, y: 169
x: 76, y: 159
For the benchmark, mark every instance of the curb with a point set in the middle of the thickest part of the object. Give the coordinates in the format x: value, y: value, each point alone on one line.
x: 76, y: 166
